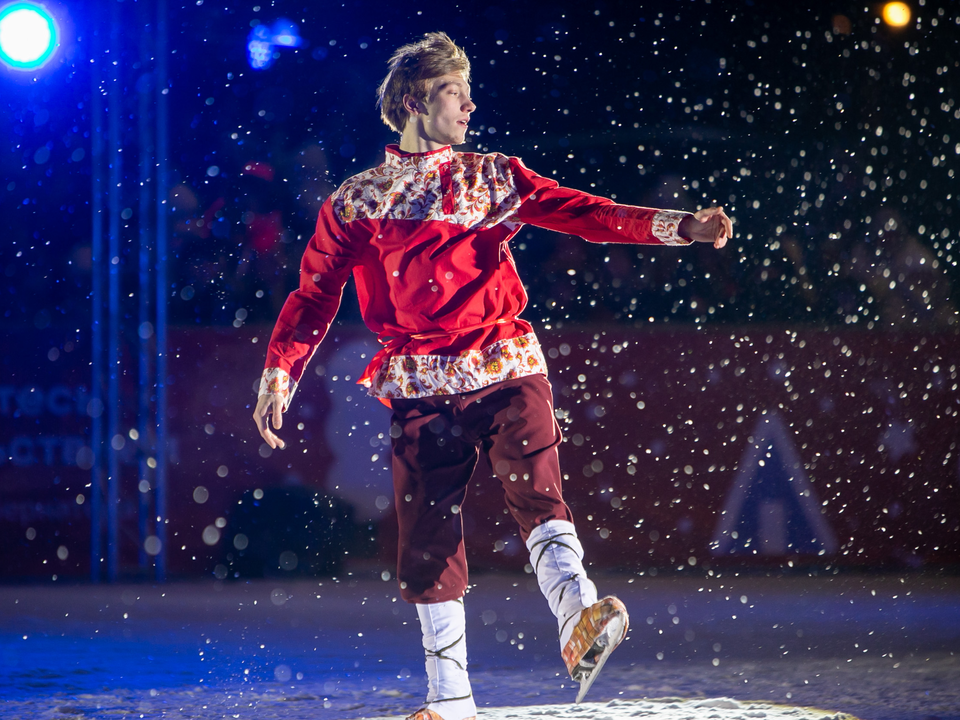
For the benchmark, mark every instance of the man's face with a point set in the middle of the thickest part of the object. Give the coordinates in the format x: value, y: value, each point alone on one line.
x: 447, y: 110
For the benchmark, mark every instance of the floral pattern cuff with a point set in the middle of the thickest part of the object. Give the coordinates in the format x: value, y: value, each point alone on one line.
x: 275, y: 381
x: 666, y: 226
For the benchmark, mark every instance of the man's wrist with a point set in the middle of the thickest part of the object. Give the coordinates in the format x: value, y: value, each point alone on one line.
x: 276, y: 381
x: 666, y: 225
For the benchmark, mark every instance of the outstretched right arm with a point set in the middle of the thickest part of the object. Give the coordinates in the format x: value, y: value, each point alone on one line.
x: 304, y: 319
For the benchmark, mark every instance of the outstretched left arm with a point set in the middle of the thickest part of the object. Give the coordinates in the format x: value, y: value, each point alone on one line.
x: 601, y: 220
x: 708, y: 225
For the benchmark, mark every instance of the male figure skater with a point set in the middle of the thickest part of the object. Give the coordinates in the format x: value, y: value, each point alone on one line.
x: 425, y: 236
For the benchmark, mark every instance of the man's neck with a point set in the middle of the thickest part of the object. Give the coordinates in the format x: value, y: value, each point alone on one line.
x: 412, y: 141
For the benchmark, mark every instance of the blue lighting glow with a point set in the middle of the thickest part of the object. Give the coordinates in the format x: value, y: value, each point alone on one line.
x: 285, y: 33
x: 28, y: 35
x: 263, y: 41
x: 259, y: 48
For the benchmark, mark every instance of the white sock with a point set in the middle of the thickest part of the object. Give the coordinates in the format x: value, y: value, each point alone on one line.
x: 445, y: 642
x: 557, y: 558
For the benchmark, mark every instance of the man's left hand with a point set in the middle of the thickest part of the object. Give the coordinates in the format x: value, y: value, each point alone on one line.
x: 708, y: 225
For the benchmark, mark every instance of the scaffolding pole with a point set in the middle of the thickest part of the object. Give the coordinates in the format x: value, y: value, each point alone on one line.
x: 145, y: 331
x: 162, y: 145
x: 114, y: 198
x: 95, y: 406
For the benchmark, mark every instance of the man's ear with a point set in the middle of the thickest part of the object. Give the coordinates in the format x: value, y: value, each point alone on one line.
x: 412, y: 105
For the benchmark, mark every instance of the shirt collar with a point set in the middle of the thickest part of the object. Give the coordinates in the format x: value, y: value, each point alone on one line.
x: 395, y: 157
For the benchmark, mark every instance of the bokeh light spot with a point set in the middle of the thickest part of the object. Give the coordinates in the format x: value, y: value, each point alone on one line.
x: 896, y: 14
x: 842, y: 25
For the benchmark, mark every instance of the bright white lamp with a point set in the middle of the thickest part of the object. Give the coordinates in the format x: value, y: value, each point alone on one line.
x: 28, y: 35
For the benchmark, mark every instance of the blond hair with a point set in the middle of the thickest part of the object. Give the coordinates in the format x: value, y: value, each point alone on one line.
x: 411, y: 68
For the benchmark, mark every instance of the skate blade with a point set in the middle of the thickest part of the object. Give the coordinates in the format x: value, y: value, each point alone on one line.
x: 614, y: 632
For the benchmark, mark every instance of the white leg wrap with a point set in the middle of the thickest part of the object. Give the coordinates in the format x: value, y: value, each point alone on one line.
x: 557, y: 558
x: 445, y: 643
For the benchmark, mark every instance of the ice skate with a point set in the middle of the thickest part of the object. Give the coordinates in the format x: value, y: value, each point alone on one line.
x: 601, y: 627
x: 428, y: 714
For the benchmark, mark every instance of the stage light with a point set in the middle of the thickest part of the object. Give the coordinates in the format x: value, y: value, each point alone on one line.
x: 286, y: 33
x: 263, y: 41
x: 259, y: 48
x: 896, y: 14
x: 28, y: 35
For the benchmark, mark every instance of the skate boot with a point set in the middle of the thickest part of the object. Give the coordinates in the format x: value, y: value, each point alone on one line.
x: 427, y: 714
x: 589, y: 630
x: 600, y: 628
x: 449, y: 695
x: 556, y: 556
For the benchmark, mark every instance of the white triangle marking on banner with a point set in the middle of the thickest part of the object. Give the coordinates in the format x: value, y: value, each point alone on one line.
x: 772, y: 516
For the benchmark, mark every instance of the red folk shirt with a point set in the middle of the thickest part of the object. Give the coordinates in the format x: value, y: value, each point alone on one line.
x: 425, y: 236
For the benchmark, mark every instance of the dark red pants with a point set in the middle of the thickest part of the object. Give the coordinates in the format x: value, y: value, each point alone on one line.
x: 436, y: 445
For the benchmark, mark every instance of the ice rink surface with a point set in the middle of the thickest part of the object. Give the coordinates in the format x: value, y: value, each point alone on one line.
x: 728, y: 647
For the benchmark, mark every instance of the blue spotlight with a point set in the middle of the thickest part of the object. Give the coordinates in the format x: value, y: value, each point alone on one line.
x: 263, y: 42
x: 286, y: 33
x: 259, y: 48
x: 28, y: 35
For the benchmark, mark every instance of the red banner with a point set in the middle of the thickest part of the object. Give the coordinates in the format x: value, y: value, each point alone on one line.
x: 683, y: 448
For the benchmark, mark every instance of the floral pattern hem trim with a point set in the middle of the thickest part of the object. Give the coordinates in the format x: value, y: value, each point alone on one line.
x: 416, y: 376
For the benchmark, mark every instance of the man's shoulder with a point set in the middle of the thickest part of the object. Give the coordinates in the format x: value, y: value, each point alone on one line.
x: 367, y: 176
x: 496, y: 163
x: 479, y: 158
x: 362, y: 187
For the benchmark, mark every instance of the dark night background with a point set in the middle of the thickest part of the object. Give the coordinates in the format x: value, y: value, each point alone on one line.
x: 831, y: 138
x: 762, y: 444
x: 812, y: 137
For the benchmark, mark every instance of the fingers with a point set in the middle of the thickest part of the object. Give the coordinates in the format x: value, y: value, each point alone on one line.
x: 728, y: 225
x: 271, y: 439
x: 277, y: 411
x: 724, y: 229
x: 278, y: 419
x: 705, y: 214
x: 259, y: 417
x: 270, y: 405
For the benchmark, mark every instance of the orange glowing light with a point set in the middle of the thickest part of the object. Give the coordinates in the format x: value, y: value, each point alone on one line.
x: 896, y: 14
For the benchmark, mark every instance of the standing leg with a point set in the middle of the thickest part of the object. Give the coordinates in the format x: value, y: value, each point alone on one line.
x: 431, y: 469
x: 432, y: 464
x: 449, y: 695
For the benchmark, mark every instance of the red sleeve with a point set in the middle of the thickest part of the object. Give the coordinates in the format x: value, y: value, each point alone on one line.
x: 308, y: 311
x: 597, y: 219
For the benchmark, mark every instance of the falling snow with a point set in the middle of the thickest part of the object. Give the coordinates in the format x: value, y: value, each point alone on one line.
x: 712, y: 402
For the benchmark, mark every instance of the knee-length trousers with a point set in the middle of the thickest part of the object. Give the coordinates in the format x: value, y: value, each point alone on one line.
x: 436, y: 444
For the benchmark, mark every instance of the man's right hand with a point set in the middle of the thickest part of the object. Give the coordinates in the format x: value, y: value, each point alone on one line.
x: 271, y: 406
